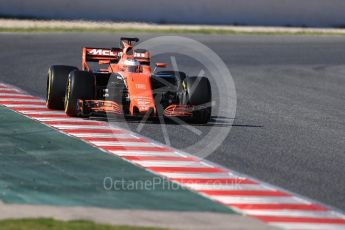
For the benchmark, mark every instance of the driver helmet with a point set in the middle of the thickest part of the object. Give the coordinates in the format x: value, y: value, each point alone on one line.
x: 132, y: 65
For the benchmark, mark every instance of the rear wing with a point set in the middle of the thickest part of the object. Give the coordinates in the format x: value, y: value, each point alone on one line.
x: 113, y: 55
x: 96, y: 54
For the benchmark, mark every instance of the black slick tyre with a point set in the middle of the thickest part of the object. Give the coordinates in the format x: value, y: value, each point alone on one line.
x: 56, y: 85
x: 199, y: 95
x: 80, y: 86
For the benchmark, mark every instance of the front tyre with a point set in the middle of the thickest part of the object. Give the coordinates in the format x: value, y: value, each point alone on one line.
x: 199, y: 95
x: 80, y: 86
x: 56, y: 85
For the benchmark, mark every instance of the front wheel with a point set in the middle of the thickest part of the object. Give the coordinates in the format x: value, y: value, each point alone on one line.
x: 199, y: 95
x: 202, y: 116
x: 80, y: 86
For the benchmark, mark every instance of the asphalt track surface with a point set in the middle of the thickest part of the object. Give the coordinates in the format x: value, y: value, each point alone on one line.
x: 289, y: 128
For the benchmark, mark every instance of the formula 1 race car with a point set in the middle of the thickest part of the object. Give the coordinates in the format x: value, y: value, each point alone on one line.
x: 126, y: 85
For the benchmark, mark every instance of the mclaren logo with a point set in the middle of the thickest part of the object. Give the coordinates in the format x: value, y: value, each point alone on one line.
x: 102, y: 52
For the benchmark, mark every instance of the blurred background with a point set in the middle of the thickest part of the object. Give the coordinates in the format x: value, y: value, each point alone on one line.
x: 301, y: 13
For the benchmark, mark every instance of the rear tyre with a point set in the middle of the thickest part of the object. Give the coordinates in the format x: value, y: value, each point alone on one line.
x: 56, y: 85
x: 199, y: 95
x: 80, y: 86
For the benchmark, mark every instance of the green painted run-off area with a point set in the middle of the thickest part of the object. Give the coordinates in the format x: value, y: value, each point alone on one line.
x: 39, y: 165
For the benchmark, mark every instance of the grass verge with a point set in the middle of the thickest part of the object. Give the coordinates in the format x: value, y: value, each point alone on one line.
x: 176, y: 31
x: 51, y: 224
x: 41, y: 25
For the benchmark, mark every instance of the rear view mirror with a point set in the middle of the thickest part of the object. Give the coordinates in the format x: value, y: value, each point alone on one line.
x: 103, y: 62
x: 161, y: 65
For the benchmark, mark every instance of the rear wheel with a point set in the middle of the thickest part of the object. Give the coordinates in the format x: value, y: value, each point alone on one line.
x: 56, y: 85
x: 80, y: 86
x: 199, y: 95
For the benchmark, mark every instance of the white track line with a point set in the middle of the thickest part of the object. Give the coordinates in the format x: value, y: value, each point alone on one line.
x: 68, y: 119
x: 25, y: 106
x: 190, y: 164
x: 141, y: 153
x: 293, y: 213
x: 62, y: 127
x: 13, y: 94
x: 224, y: 186
x: 10, y: 89
x: 256, y: 200
x: 112, y: 143
x: 33, y: 112
x: 110, y: 135
x: 110, y: 139
x: 21, y: 100
x: 309, y: 226
x: 197, y: 175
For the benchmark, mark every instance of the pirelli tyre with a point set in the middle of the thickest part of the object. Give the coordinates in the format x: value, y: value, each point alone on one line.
x: 56, y: 85
x: 80, y: 86
x: 200, y: 96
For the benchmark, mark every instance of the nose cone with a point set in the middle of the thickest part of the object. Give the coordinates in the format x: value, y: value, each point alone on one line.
x: 140, y: 93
